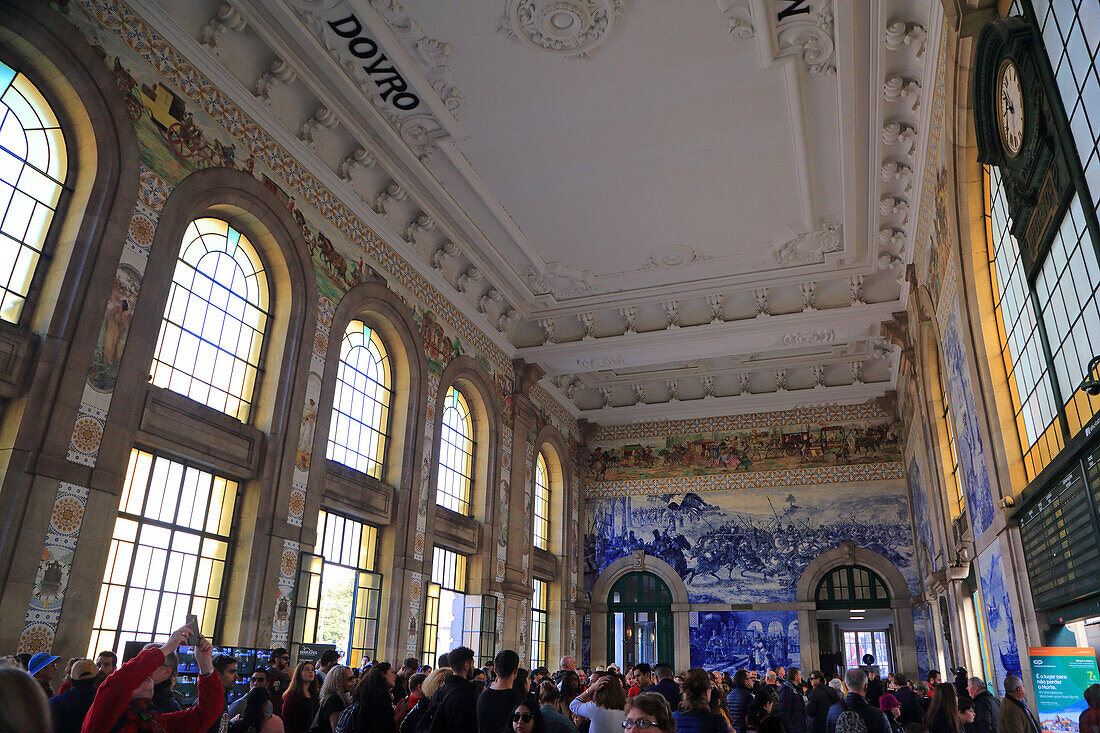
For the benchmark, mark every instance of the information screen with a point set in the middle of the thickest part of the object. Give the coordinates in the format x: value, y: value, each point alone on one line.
x: 1059, y: 538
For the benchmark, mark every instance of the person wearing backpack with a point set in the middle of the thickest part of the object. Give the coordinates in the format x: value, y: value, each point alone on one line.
x: 335, y: 698
x: 428, y: 687
x: 867, y: 719
x: 694, y: 715
x: 374, y: 698
x: 454, y: 705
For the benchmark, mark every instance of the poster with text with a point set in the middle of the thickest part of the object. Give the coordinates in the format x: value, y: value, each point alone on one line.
x: 1060, y: 675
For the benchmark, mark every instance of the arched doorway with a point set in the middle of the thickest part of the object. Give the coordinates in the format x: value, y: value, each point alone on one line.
x: 854, y: 619
x: 639, y: 621
x: 852, y: 589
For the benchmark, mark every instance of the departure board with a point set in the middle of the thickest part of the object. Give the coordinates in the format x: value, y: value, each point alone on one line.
x: 1060, y: 544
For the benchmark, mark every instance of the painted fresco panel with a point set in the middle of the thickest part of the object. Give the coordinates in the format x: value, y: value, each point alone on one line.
x: 964, y: 411
x: 730, y: 640
x: 750, y: 545
x: 998, y: 615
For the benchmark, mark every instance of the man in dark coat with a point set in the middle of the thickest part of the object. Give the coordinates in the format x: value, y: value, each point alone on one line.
x: 69, y: 708
x: 457, y: 698
x: 912, y: 708
x: 792, y: 706
x: 987, y: 708
x: 856, y: 682
x: 666, y: 685
x: 822, y: 697
x: 738, y: 700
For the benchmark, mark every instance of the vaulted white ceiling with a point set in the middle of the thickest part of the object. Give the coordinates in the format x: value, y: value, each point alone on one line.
x: 677, y: 208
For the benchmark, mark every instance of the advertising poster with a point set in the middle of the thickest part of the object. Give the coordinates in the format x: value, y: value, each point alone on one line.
x: 1060, y: 675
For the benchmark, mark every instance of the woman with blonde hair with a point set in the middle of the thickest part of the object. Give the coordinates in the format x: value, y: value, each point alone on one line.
x: 335, y: 696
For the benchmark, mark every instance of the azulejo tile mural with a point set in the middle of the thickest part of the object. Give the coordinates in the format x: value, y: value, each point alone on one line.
x: 968, y: 438
x: 749, y: 545
x: 998, y: 615
x: 727, y: 641
x: 922, y: 523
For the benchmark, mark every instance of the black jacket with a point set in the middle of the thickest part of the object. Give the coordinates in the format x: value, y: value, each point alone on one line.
x: 669, y: 689
x: 69, y: 708
x: 912, y: 707
x: 822, y: 698
x: 987, y: 708
x: 457, y: 701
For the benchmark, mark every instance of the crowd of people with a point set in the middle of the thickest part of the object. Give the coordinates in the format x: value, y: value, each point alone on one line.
x: 327, y: 697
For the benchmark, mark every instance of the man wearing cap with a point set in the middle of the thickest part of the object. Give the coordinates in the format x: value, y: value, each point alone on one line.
x: 43, y: 667
x: 69, y: 708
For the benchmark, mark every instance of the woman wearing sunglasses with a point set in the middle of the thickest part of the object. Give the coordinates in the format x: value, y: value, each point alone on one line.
x: 648, y: 713
x: 527, y: 718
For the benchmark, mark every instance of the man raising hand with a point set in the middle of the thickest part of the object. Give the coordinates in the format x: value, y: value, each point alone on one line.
x: 123, y: 702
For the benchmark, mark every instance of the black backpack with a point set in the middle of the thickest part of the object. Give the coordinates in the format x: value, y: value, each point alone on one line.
x: 427, y: 721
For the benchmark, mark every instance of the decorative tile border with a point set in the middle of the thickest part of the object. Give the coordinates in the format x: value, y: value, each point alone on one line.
x: 761, y: 479
x: 284, y: 595
x: 52, y: 579
x: 820, y: 414
x: 932, y: 163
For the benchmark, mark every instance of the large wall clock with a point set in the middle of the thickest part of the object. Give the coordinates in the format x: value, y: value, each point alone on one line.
x: 1018, y: 132
x: 1010, y: 108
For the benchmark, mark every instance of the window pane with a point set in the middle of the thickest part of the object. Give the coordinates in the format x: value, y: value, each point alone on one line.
x: 456, y: 454
x: 214, y: 321
x: 360, y: 418
x: 163, y: 560
x: 33, y: 166
x: 542, y: 504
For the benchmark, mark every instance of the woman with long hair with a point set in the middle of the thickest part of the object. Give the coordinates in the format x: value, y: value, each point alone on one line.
x: 602, y: 703
x: 302, y: 699
x: 570, y: 685
x: 375, y: 698
x: 255, y: 718
x: 763, y: 714
x: 651, y: 709
x: 335, y: 696
x: 527, y: 718
x: 695, y: 713
x: 943, y: 714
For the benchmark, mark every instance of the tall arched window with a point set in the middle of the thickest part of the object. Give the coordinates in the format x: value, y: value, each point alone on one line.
x: 957, y: 496
x: 542, y: 504
x: 214, y: 321
x: 33, y: 165
x: 361, y: 403
x: 1028, y: 372
x: 456, y: 454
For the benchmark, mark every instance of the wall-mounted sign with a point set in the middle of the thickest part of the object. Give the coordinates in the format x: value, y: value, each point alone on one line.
x: 1060, y: 676
x: 392, y: 87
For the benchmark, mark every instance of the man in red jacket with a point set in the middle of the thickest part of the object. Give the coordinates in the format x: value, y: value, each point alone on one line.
x: 122, y: 702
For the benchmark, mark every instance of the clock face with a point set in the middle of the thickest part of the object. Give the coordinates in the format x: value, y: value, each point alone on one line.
x: 1010, y: 108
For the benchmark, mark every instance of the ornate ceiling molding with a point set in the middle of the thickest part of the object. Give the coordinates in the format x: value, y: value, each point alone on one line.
x: 810, y: 247
x: 570, y: 28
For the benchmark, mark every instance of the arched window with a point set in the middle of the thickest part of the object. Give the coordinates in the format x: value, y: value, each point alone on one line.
x: 851, y: 586
x: 1021, y: 343
x: 361, y: 403
x: 456, y: 454
x: 33, y: 165
x: 542, y: 503
x: 958, y: 498
x: 214, y: 321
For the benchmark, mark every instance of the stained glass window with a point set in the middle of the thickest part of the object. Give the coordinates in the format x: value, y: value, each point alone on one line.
x: 456, y: 454
x: 214, y: 321
x: 33, y: 165
x: 542, y: 504
x: 361, y: 403
x: 168, y: 553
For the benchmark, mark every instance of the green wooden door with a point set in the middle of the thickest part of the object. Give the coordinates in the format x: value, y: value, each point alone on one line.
x: 639, y: 621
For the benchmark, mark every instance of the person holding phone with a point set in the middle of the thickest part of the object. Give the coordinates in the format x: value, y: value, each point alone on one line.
x: 123, y: 701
